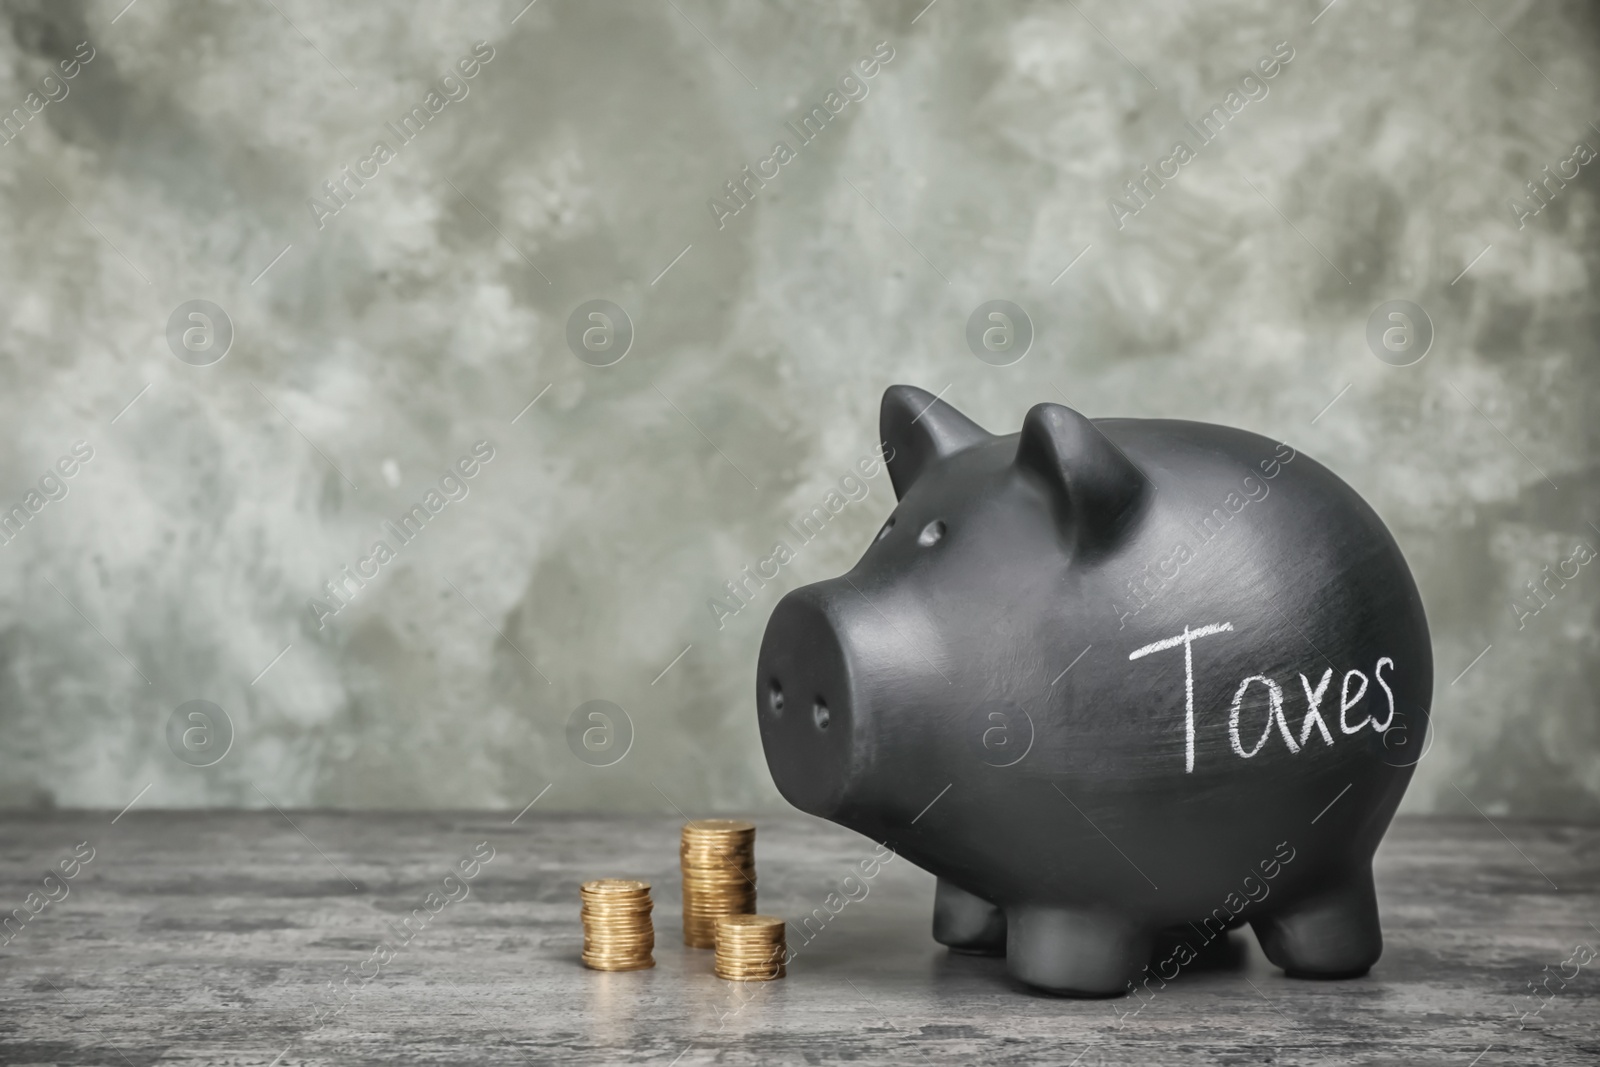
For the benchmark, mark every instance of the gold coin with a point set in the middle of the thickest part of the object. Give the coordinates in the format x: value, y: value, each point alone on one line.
x: 617, y: 931
x: 632, y: 930
x: 718, y: 865
x: 635, y: 915
x: 719, y: 876
x: 699, y: 827
x: 716, y: 858
x: 763, y: 975
x: 750, y: 948
x: 627, y: 965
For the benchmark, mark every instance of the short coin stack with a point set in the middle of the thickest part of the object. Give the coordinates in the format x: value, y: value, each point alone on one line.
x: 718, y: 859
x: 750, y: 948
x: 617, y: 933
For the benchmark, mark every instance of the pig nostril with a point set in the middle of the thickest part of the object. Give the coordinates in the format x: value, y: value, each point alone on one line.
x: 886, y: 528
x: 819, y: 712
x: 775, y: 696
x: 931, y: 534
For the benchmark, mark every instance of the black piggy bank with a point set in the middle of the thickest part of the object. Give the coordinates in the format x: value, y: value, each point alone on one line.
x: 1117, y: 683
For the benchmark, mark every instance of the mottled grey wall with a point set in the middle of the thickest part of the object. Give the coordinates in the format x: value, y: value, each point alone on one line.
x: 425, y: 314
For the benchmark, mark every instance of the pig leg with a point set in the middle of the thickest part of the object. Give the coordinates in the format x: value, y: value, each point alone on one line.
x: 967, y: 923
x: 1333, y: 934
x: 1074, y: 951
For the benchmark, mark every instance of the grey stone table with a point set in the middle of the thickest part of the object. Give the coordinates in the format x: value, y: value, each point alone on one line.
x: 248, y: 938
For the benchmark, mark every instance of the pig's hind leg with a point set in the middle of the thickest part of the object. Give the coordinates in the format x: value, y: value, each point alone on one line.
x: 1074, y: 951
x: 967, y: 923
x: 1332, y: 934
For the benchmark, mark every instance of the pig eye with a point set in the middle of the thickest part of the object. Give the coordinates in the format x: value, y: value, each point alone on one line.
x: 931, y: 534
x: 886, y: 528
x: 775, y: 697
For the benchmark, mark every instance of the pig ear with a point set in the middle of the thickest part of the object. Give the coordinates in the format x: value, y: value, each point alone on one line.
x: 918, y: 428
x: 1099, y: 487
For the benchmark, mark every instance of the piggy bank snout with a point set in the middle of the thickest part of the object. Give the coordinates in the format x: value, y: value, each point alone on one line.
x: 806, y: 703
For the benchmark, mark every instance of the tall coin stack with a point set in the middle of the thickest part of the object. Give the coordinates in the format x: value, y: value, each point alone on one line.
x: 718, y: 859
x: 617, y: 933
x: 750, y: 948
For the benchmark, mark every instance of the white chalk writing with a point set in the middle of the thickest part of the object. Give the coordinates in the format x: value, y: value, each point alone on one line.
x: 1186, y: 639
x: 1352, y: 690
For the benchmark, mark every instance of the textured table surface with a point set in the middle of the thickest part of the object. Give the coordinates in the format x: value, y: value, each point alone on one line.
x: 216, y: 938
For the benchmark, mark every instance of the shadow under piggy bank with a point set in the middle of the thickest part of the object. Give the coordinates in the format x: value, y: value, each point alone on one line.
x: 1108, y: 678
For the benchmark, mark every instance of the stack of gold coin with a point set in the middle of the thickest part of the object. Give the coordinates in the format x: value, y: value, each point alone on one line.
x: 718, y: 859
x: 617, y: 933
x: 750, y: 948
